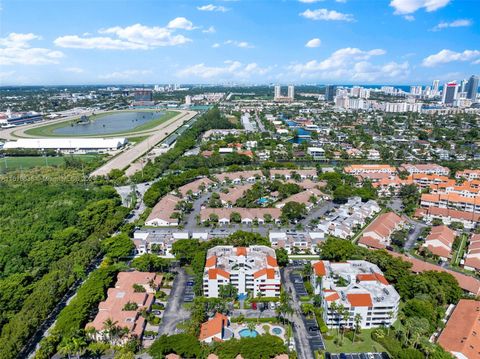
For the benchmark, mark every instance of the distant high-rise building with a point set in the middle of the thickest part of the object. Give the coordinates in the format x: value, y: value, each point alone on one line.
x: 330, y: 91
x: 472, y: 87
x: 436, y: 86
x: 143, y: 97
x: 463, y: 86
x: 291, y: 92
x: 188, y: 100
x: 277, y: 91
x: 450, y: 91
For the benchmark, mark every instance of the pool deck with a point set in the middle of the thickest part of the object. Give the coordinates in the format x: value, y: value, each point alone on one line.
x: 259, y: 328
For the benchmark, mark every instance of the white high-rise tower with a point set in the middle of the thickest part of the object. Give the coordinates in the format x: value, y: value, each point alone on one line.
x: 291, y: 92
x: 277, y: 92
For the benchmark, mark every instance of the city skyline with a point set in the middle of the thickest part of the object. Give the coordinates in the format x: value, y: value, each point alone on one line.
x: 305, y: 41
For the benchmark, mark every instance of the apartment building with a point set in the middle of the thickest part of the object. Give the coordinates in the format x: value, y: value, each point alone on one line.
x: 461, y: 336
x: 159, y: 243
x: 469, y: 175
x: 472, y: 257
x: 251, y: 269
x: 348, y: 218
x: 440, y: 241
x: 240, y: 176
x: 115, y: 308
x: 309, y: 198
x: 196, y: 187
x: 163, y: 213
x: 427, y: 168
x: 448, y: 216
x: 451, y: 201
x: 360, y: 288
x: 369, y: 168
x: 290, y: 174
x: 247, y: 215
x: 296, y: 242
x: 377, y: 234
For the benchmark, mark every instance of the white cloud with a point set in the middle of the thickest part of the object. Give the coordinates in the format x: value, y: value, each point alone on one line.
x: 310, y: 1
x: 456, y: 23
x: 230, y: 70
x: 403, y: 7
x: 75, y: 70
x: 180, y: 23
x: 350, y: 63
x: 241, y: 44
x: 216, y: 45
x: 124, y: 75
x: 134, y: 37
x: 211, y: 7
x: 445, y: 56
x: 316, y: 42
x: 324, y: 14
x: 409, y: 17
x: 99, y: 42
x: 15, y: 48
x: 210, y: 30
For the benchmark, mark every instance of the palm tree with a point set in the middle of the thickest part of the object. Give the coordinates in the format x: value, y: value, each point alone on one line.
x: 345, y: 314
x: 111, y: 329
x: 358, y: 320
x: 66, y: 347
x: 334, y: 309
x: 251, y: 326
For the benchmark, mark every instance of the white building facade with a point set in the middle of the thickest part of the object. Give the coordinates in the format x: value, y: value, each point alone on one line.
x: 358, y: 288
x: 251, y: 269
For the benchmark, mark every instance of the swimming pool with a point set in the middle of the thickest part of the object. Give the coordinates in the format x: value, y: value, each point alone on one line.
x: 277, y: 330
x: 247, y: 333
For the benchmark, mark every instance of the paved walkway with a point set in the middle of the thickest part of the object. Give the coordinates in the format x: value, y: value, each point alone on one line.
x: 161, y: 132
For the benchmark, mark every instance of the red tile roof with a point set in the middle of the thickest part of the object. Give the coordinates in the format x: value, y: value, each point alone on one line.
x: 319, y: 268
x: 360, y: 299
x: 462, y: 331
x: 467, y: 283
x: 213, y: 327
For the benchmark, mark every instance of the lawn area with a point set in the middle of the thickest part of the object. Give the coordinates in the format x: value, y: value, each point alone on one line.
x: 15, y: 163
x: 47, y: 130
x: 458, y: 255
x: 366, y: 343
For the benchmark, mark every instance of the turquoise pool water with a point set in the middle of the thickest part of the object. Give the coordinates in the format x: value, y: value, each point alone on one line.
x: 247, y: 333
x: 277, y: 331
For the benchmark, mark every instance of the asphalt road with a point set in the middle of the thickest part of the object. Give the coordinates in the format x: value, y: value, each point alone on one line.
x: 300, y: 333
x: 174, y: 312
x: 413, y: 234
x: 161, y: 132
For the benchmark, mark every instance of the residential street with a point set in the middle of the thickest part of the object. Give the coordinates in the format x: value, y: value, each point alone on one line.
x: 174, y: 313
x: 414, y: 234
x: 300, y: 332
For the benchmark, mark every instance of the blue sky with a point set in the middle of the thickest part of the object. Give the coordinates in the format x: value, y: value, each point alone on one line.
x: 244, y: 41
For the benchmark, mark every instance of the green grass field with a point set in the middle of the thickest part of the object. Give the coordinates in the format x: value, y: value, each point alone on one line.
x: 15, y: 163
x: 367, y: 344
x: 47, y: 130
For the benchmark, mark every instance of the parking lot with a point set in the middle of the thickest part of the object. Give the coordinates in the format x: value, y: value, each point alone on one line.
x: 314, y: 337
x: 357, y: 356
x: 188, y: 294
x: 297, y: 281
